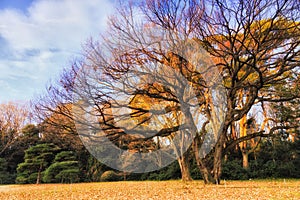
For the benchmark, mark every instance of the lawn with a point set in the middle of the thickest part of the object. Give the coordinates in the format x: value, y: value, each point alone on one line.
x: 258, y: 189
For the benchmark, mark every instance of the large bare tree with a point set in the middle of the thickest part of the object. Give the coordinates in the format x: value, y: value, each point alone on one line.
x: 169, y: 54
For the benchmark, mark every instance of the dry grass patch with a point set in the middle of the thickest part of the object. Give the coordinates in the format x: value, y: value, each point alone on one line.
x: 266, y: 189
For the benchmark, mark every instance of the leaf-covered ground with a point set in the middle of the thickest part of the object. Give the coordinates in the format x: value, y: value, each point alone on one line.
x: 261, y: 189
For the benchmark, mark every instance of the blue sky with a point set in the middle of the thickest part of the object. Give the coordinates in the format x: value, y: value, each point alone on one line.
x: 15, y: 4
x: 38, y: 38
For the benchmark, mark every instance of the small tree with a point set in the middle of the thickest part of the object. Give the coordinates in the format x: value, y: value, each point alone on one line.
x: 37, y: 159
x: 64, y: 169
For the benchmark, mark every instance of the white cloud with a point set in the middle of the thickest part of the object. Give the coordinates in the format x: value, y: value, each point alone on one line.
x: 36, y: 45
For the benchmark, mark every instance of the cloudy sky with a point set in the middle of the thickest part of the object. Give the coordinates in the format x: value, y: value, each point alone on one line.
x: 38, y: 38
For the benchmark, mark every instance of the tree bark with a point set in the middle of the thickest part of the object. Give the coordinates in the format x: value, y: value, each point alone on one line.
x: 184, y: 167
x: 218, y: 155
x: 208, y: 179
x: 245, y: 160
x: 38, y: 179
x: 217, y: 169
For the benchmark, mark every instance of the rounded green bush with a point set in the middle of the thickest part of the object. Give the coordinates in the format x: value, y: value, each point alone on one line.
x: 110, y: 176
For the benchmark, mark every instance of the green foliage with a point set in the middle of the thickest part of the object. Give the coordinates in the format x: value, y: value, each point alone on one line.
x: 14, y: 155
x: 5, y: 176
x: 30, y: 130
x: 37, y: 159
x: 170, y: 172
x: 233, y: 170
x: 94, y: 168
x: 64, y: 156
x: 63, y: 172
x: 277, y: 158
x: 68, y: 175
x: 64, y: 169
x: 195, y: 172
x: 110, y: 176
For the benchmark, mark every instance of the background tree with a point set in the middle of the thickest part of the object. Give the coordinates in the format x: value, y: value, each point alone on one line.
x: 265, y: 45
x: 57, y: 127
x: 14, y: 137
x: 286, y: 114
x: 14, y: 155
x: 37, y: 159
x: 13, y: 117
x: 5, y: 176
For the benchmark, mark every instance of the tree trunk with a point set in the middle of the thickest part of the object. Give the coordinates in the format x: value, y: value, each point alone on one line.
x: 245, y: 160
x: 208, y: 179
x: 183, y: 159
x: 38, y: 179
x: 184, y: 167
x: 218, y: 155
